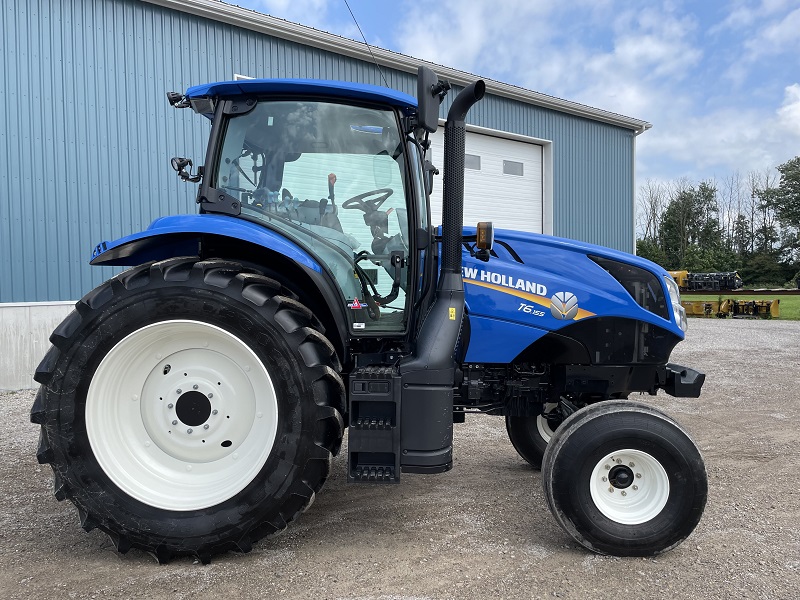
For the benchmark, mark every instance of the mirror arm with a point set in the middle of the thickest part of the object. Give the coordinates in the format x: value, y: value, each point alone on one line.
x: 179, y: 164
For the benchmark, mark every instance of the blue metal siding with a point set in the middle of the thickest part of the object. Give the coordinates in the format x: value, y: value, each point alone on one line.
x: 86, y: 133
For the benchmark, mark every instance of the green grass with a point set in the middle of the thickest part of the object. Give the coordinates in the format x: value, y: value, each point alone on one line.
x: 790, y: 305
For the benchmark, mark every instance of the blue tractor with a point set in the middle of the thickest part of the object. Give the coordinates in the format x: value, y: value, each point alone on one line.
x: 193, y: 403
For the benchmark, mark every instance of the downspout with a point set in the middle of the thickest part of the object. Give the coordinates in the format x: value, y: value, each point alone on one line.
x: 636, y: 133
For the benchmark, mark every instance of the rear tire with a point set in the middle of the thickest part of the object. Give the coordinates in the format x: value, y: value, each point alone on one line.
x: 189, y: 407
x: 623, y: 478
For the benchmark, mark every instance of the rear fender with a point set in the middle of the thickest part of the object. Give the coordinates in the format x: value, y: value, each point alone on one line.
x: 220, y: 236
x: 180, y: 235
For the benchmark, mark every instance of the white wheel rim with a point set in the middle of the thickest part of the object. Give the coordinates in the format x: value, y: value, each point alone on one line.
x: 542, y: 425
x: 629, y: 502
x: 184, y: 462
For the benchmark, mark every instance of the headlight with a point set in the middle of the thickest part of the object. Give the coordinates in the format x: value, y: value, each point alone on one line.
x: 643, y: 286
x: 675, y: 299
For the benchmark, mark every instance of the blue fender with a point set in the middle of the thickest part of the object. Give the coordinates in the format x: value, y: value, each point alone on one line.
x: 179, y: 235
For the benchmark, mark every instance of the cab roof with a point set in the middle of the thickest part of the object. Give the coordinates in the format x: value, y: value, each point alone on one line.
x: 304, y: 87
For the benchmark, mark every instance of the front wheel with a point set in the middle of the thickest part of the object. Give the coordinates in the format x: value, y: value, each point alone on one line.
x: 530, y: 435
x: 189, y: 407
x: 623, y: 478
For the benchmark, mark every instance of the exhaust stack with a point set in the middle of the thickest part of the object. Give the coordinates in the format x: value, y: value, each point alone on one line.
x: 439, y: 333
x: 453, y: 190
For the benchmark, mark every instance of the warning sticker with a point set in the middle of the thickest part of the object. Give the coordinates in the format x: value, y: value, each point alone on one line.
x: 355, y: 304
x: 452, y: 313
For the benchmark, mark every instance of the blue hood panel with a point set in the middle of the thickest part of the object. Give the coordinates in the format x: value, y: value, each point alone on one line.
x: 554, y: 274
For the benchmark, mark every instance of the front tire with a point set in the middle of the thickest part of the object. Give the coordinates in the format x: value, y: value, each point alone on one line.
x: 531, y: 435
x: 623, y: 478
x: 189, y: 407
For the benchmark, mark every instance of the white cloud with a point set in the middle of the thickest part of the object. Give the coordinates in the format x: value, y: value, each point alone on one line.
x: 743, y: 14
x: 726, y: 140
x: 777, y: 37
x: 468, y: 34
x: 768, y: 35
x: 565, y: 51
x: 789, y: 112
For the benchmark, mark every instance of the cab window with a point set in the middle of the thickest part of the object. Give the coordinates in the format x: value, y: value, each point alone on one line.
x: 331, y: 177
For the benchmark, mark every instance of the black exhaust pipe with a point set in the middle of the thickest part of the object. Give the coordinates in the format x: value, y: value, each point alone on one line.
x: 439, y: 333
x: 453, y: 185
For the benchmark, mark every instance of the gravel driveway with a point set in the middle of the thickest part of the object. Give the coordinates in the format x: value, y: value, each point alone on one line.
x: 480, y: 531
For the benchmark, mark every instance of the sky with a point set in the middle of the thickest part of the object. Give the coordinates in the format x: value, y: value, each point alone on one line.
x: 718, y: 80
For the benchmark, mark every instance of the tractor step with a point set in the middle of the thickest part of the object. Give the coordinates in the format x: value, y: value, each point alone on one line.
x: 374, y: 474
x: 374, y: 425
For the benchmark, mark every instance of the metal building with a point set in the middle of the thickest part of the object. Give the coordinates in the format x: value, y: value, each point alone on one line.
x: 86, y: 136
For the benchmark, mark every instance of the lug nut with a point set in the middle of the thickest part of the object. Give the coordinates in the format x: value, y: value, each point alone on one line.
x: 188, y: 431
x: 211, y: 395
x: 608, y: 468
x: 636, y: 487
x: 205, y: 426
x: 215, y: 411
x: 619, y: 461
x: 624, y: 493
x: 638, y: 476
x: 170, y: 405
x: 605, y: 478
x: 631, y: 465
x: 611, y: 489
x: 195, y: 386
x: 175, y: 422
x: 180, y: 390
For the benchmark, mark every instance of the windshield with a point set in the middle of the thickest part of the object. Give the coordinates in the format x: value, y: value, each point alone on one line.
x: 331, y: 177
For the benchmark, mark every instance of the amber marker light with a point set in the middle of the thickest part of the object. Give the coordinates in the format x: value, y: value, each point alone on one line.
x: 485, y: 238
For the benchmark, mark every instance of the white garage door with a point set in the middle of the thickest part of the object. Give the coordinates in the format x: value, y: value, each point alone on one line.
x: 502, y: 182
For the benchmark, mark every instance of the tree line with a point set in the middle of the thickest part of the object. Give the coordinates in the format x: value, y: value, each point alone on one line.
x: 746, y: 223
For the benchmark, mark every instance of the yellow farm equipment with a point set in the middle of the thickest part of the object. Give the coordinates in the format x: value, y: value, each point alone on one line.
x: 738, y: 309
x: 681, y: 278
x: 709, y: 282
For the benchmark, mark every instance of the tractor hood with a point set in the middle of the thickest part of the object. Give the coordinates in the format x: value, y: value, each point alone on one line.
x: 550, y: 283
x: 529, y: 245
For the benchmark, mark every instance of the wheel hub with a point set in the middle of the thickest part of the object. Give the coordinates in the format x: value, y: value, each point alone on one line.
x: 629, y: 486
x: 193, y: 408
x: 621, y: 477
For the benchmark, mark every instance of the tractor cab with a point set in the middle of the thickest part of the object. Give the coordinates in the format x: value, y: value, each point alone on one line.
x: 337, y: 171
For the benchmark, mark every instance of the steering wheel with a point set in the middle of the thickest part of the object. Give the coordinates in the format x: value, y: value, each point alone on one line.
x: 370, y: 205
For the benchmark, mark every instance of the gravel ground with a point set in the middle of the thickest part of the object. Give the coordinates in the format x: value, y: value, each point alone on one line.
x: 480, y: 531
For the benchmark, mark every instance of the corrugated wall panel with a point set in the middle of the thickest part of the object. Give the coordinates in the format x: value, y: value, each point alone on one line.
x: 87, y: 133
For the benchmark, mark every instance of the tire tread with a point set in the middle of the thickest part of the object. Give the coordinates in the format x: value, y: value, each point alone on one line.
x: 304, y: 333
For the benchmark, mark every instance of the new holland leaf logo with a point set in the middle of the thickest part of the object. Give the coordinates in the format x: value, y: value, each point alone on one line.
x: 564, y: 306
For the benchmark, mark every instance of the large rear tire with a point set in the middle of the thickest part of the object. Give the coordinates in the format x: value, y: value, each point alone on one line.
x: 623, y: 478
x: 189, y: 407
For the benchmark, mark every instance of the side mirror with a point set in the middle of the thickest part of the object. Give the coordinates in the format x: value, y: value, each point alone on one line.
x: 484, y: 240
x: 430, y: 93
